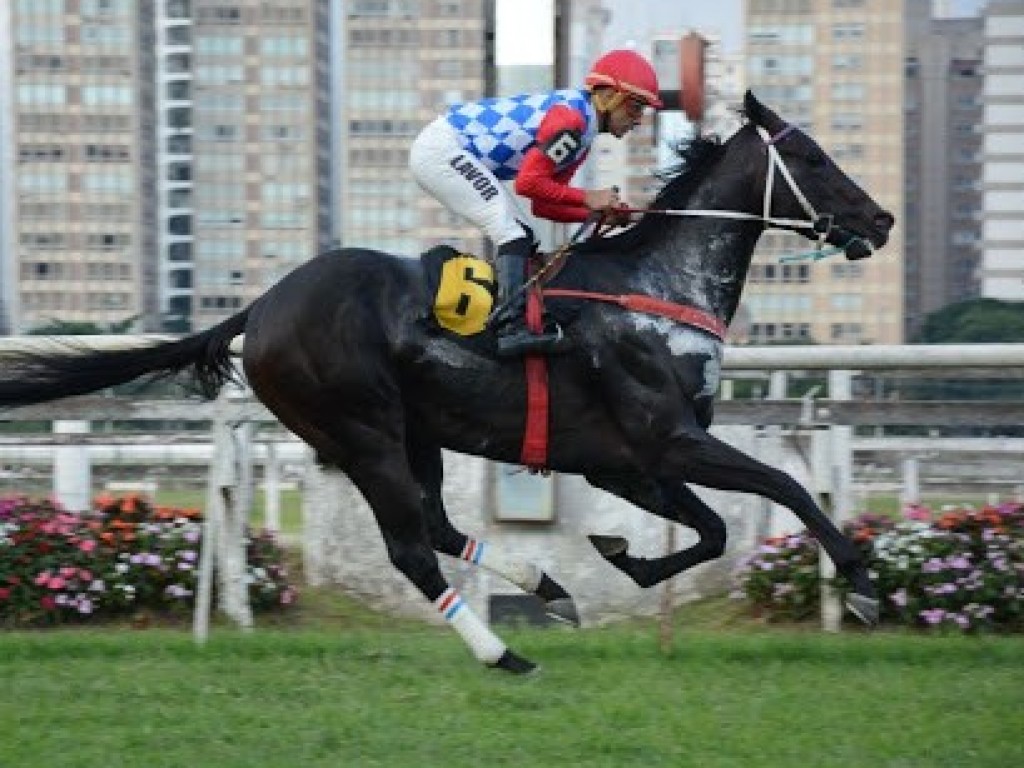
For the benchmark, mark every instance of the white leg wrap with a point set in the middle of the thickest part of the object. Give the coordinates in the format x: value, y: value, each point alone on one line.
x: 524, y: 575
x: 485, y: 645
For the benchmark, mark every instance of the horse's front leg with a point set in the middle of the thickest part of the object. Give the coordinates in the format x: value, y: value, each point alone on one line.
x: 700, y: 458
x: 673, y: 502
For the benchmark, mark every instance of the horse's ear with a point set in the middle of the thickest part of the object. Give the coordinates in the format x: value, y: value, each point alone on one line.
x: 761, y: 115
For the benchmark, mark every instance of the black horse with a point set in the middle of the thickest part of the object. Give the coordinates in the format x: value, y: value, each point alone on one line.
x: 338, y: 350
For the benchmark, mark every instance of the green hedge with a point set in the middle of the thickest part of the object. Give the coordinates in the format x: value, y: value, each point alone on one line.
x: 123, y: 557
x: 959, y: 568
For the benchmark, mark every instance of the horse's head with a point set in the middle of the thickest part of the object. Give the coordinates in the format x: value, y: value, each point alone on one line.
x: 804, y: 184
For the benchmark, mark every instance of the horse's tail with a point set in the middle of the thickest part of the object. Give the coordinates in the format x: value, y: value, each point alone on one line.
x: 64, y: 368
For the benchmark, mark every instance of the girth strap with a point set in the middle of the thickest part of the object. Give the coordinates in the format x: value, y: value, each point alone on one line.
x: 535, y: 438
x: 635, y: 302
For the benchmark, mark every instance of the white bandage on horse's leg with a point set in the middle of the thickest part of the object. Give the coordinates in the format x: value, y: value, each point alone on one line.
x: 486, y: 646
x: 524, y: 575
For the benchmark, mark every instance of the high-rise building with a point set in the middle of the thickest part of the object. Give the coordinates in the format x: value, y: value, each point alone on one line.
x: 835, y: 69
x: 403, y: 63
x: 943, y: 161
x: 170, y: 158
x: 75, y: 236
x: 243, y: 123
x: 1002, y: 266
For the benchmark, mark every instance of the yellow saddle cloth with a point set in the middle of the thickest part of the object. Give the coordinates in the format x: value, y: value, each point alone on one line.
x: 462, y: 287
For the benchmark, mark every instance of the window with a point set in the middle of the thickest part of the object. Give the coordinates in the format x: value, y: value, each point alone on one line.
x: 179, y: 35
x: 107, y: 95
x: 178, y: 9
x: 180, y: 252
x: 179, y: 90
x: 845, y: 32
x: 180, y: 144
x: 41, y: 95
x: 179, y: 225
x: 179, y: 171
x: 179, y: 198
x: 848, y: 91
x: 219, y: 45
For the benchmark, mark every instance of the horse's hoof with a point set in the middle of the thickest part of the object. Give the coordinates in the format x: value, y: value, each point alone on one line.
x: 864, y: 608
x: 512, y: 662
x: 563, y: 609
x: 609, y: 546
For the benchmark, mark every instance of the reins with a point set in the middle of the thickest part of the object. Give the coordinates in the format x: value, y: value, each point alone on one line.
x: 821, y: 224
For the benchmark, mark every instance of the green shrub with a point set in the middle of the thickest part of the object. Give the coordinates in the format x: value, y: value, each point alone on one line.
x: 961, y: 568
x: 122, y: 557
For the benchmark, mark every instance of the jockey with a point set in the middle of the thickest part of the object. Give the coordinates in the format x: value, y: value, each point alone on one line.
x: 539, y: 140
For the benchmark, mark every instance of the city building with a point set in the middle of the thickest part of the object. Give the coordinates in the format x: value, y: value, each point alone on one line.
x: 835, y: 69
x: 942, y: 223
x: 1002, y: 261
x: 403, y: 63
x: 168, y: 159
x: 243, y: 122
x: 76, y: 236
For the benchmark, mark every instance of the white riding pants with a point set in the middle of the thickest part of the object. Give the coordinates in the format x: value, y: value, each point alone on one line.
x: 462, y: 183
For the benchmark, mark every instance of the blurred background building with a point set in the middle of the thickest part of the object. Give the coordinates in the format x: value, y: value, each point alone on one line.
x: 943, y: 133
x: 1002, y: 209
x: 162, y: 162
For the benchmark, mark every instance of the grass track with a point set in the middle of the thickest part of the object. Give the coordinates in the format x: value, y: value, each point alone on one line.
x: 606, y: 697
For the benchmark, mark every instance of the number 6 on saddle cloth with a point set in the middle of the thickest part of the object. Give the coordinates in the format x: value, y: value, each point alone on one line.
x: 460, y: 290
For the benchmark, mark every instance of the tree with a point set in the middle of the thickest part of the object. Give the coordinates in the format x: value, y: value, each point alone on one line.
x: 976, y: 321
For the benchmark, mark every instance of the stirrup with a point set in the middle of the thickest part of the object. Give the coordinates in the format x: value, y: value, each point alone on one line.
x: 519, y: 341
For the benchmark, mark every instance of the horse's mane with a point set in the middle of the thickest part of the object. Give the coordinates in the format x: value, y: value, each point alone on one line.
x: 693, y: 156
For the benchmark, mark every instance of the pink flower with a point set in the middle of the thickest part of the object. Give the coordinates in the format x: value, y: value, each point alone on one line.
x: 87, y: 545
x: 42, y: 579
x: 56, y: 582
x: 917, y: 512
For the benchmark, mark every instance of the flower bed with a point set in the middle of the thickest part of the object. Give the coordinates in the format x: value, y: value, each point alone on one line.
x: 960, y: 568
x: 123, y: 557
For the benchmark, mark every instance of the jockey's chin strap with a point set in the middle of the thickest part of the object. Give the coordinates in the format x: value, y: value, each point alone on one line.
x: 821, y: 224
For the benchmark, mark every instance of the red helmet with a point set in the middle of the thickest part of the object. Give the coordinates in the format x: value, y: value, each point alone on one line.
x: 627, y: 72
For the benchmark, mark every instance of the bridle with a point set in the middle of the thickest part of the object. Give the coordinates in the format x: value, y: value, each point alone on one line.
x: 821, y: 224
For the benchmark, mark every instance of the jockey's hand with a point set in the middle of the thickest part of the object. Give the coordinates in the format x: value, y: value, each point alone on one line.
x: 619, y: 216
x: 602, y: 199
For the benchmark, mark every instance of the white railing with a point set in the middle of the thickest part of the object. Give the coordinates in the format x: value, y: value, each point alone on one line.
x: 829, y: 422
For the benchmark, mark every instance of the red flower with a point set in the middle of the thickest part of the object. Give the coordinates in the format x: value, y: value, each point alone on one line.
x: 5, y: 592
x: 48, y: 602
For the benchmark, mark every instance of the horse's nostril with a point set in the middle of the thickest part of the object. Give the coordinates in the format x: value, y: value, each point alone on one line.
x: 884, y: 220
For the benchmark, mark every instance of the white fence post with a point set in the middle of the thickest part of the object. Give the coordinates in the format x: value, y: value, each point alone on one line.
x: 223, y: 547
x: 911, y: 492
x: 272, y: 490
x: 72, y: 473
x: 840, y: 387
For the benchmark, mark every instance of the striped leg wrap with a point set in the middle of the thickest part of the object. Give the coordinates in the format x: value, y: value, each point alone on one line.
x: 524, y: 575
x: 485, y: 645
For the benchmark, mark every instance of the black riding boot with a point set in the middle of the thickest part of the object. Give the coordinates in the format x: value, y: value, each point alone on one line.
x: 509, y: 319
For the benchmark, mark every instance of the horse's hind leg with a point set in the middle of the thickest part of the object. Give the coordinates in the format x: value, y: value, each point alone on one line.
x: 703, y: 459
x: 427, y: 467
x: 671, y: 501
x: 375, y: 461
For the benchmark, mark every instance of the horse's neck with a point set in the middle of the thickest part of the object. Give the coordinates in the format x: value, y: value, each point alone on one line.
x: 703, y: 262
